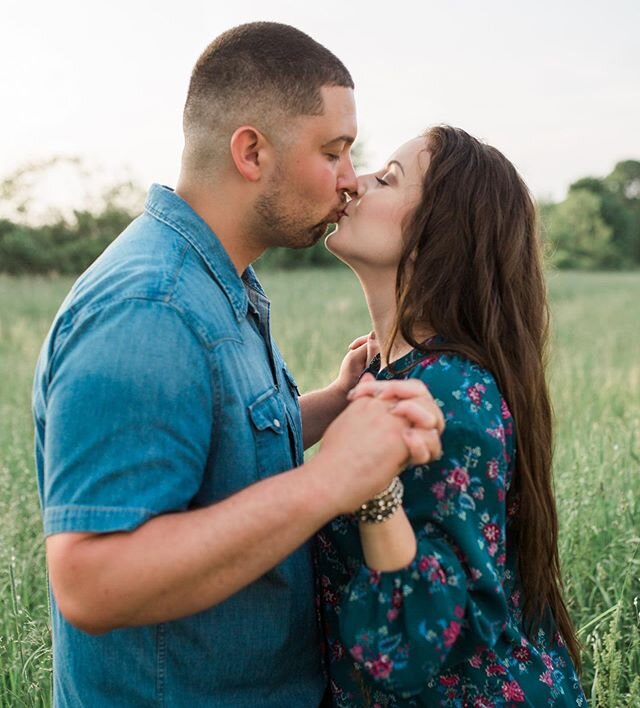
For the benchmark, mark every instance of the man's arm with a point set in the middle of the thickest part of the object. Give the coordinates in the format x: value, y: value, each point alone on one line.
x: 181, y: 563
x: 130, y: 416
x: 319, y: 409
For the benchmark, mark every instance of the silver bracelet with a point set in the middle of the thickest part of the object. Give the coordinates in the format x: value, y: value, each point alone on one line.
x: 383, y: 505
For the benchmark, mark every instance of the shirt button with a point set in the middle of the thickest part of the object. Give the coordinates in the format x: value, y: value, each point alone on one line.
x: 276, y: 422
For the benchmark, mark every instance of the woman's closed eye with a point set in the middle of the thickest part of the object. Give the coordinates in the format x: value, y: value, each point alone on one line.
x: 382, y: 182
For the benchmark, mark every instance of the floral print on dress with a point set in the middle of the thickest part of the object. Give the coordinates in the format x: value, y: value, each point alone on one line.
x: 446, y: 630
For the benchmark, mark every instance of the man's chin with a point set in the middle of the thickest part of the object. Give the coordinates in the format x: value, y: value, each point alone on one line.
x: 309, y: 238
x: 320, y: 232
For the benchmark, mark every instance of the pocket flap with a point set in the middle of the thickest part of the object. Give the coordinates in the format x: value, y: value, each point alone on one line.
x: 267, y: 412
x: 291, y: 380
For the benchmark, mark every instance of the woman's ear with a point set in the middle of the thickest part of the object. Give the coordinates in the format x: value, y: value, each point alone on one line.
x: 250, y: 152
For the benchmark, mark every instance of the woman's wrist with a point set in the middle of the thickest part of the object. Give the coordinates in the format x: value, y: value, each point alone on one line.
x: 381, y: 507
x: 390, y: 545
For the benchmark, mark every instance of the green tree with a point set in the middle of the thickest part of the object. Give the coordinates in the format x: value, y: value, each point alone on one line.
x: 62, y: 242
x: 616, y: 215
x: 607, y: 233
x: 579, y: 235
x: 624, y: 183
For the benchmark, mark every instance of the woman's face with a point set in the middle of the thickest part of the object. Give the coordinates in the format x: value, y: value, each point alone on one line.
x: 370, y: 233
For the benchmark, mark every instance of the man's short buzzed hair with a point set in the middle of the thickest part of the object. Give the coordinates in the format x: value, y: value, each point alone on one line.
x: 258, y: 74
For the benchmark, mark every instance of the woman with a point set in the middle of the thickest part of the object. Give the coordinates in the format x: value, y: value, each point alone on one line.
x: 451, y: 594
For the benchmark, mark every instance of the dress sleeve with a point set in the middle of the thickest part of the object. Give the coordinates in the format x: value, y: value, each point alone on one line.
x: 129, y: 419
x: 405, y: 627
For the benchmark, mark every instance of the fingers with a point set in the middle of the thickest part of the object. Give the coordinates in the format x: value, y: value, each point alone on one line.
x: 423, y: 446
x: 358, y: 358
x: 373, y: 347
x: 359, y: 341
x: 366, y: 377
x: 426, y: 404
x: 407, y: 388
x: 423, y: 439
x: 417, y: 415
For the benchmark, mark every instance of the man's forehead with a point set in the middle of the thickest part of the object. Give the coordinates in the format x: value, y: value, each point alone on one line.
x: 338, y: 121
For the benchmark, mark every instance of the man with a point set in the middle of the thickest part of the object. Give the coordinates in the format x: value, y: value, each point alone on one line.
x: 176, y: 504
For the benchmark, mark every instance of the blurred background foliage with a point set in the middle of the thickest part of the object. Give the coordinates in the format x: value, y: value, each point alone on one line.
x: 596, y: 227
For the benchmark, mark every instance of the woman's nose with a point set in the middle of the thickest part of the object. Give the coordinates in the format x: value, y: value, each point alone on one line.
x: 362, y: 183
x: 359, y: 187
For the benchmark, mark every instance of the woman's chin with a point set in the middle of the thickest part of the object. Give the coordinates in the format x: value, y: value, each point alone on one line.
x: 333, y: 243
x: 330, y: 241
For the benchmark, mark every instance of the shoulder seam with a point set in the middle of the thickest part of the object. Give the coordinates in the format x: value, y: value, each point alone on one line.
x: 79, y: 317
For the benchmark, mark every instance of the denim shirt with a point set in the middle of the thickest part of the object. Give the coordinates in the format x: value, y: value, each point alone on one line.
x: 160, y: 390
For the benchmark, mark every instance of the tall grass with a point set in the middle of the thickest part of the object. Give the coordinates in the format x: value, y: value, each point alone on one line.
x: 26, y: 308
x: 595, y: 379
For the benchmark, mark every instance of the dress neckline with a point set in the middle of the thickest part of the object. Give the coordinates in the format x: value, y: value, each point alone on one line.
x: 403, y: 363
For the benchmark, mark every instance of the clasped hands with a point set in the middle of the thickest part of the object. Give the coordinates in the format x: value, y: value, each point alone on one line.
x: 407, y: 398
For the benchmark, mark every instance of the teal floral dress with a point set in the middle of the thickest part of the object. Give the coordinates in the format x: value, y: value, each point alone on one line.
x: 446, y: 630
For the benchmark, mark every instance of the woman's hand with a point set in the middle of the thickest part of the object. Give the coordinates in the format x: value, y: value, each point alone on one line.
x: 411, y: 399
x: 360, y: 352
x: 320, y: 408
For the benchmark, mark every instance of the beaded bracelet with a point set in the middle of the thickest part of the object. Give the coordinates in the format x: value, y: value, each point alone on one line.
x: 383, y: 505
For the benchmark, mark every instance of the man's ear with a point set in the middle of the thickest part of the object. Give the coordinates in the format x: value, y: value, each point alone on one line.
x: 250, y: 152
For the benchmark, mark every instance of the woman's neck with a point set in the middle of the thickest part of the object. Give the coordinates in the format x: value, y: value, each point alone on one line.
x: 380, y: 294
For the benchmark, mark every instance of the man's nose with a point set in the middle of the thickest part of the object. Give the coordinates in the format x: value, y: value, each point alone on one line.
x: 348, y: 182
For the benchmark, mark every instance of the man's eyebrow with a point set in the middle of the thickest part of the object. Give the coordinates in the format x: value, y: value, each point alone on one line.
x: 342, y: 139
x: 395, y: 162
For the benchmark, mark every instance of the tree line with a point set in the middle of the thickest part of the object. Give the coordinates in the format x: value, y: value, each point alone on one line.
x: 597, y: 226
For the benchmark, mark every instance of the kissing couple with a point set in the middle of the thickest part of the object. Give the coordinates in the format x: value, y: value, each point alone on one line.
x: 195, y: 558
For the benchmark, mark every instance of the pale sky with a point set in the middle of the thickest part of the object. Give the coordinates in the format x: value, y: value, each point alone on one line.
x: 554, y: 85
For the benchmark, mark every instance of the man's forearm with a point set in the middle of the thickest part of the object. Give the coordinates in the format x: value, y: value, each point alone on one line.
x: 179, y: 564
x: 319, y: 409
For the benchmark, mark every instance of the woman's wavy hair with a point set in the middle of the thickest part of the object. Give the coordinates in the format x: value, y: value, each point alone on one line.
x: 471, y: 270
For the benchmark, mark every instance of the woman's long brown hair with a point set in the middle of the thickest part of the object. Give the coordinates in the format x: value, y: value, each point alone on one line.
x: 471, y: 270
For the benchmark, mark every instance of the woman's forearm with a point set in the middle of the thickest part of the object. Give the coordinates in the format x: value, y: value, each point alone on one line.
x: 389, y: 545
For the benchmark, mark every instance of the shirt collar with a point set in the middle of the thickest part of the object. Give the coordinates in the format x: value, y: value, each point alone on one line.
x: 166, y: 206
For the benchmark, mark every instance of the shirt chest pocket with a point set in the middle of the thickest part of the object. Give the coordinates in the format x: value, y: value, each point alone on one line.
x: 271, y: 434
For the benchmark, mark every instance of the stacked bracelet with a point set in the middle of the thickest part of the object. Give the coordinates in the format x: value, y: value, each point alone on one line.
x: 383, y: 505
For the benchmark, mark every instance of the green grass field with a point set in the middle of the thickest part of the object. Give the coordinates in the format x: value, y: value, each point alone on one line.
x: 595, y: 378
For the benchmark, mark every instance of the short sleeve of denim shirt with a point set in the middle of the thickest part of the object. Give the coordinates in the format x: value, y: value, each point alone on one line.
x: 130, y: 409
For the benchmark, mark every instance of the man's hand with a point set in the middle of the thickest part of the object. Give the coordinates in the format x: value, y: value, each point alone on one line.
x: 388, y: 425
x: 411, y: 399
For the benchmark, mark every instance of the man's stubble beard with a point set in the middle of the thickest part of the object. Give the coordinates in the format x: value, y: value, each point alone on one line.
x: 274, y: 226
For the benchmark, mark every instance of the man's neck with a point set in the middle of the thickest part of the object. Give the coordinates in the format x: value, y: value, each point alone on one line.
x: 222, y: 213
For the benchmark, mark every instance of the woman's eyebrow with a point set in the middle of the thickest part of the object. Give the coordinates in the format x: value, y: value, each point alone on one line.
x: 395, y: 162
